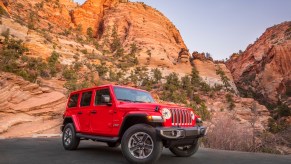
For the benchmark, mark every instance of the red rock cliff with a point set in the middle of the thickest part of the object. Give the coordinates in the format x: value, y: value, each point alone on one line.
x: 264, y: 69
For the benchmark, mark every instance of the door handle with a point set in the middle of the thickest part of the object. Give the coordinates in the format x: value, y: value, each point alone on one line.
x: 80, y: 112
x: 93, y: 111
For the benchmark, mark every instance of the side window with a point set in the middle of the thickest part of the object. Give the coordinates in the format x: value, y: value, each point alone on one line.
x: 86, y: 99
x: 98, y: 97
x: 73, y: 101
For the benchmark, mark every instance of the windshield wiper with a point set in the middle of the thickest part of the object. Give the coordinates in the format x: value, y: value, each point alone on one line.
x: 139, y: 101
x: 125, y: 100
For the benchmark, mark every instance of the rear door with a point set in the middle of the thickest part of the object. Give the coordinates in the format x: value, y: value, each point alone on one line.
x: 102, y: 114
x: 85, y: 108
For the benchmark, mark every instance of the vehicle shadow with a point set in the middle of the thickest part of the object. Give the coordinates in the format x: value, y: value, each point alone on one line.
x: 114, y: 155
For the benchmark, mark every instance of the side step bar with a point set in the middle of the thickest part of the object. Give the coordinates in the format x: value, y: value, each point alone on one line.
x: 97, y: 138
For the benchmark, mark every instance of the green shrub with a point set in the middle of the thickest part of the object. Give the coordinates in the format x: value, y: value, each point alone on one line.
x: 197, y: 99
x: 10, y: 52
x: 288, y: 33
x: 84, y: 51
x: 79, y: 28
x: 133, y: 49
x: 3, y: 12
x: 288, y: 89
x: 66, y: 32
x: 283, y: 110
x: 149, y: 53
x: 6, y: 34
x: 77, y: 66
x: 39, y: 5
x: 53, y: 60
x: 96, y: 44
x: 172, y: 82
x: 116, y: 43
x: 101, y: 69
x: 157, y: 75
x: 69, y: 74
x: 133, y: 77
x: 230, y: 101
x: 119, y: 52
x: 90, y: 32
x: 203, y: 112
x: 276, y: 126
x: 92, y: 56
x: 73, y: 85
x: 224, y: 78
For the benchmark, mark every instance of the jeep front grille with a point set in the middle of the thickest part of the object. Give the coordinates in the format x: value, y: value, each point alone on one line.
x: 181, y: 117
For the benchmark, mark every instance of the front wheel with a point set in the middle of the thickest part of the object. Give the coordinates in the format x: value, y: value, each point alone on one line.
x: 185, y: 150
x: 69, y: 138
x: 140, y: 144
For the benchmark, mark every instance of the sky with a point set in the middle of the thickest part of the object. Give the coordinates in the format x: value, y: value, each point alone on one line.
x: 221, y: 27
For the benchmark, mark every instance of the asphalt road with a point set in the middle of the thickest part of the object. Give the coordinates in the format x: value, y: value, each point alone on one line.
x: 50, y: 151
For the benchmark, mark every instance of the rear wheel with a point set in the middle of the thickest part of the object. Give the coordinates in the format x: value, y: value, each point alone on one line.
x: 69, y: 138
x: 140, y: 145
x: 185, y: 150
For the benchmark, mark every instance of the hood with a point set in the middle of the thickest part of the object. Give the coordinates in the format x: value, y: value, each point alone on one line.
x: 147, y: 106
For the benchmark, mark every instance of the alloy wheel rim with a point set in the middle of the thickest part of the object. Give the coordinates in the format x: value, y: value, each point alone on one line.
x: 140, y: 145
x: 68, y: 136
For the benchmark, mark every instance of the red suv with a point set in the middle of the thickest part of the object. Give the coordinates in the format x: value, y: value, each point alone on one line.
x: 117, y: 114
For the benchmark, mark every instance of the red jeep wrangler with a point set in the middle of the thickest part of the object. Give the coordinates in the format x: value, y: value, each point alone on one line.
x: 116, y: 114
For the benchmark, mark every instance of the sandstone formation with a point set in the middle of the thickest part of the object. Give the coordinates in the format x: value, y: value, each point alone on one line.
x: 150, y: 30
x: 50, y: 15
x: 264, y: 69
x: 183, y: 56
x: 207, y: 71
x: 27, y: 108
x: 90, y: 14
x: 246, y: 112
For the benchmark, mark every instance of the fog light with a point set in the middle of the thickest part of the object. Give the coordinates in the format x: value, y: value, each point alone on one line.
x: 172, y: 133
x: 176, y: 133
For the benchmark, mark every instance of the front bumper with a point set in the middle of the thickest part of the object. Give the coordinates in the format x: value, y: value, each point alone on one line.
x: 174, y: 133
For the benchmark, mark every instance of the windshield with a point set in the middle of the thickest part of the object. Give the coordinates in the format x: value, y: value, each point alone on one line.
x: 132, y: 95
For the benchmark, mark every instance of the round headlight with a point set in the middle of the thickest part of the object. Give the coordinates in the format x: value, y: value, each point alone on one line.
x: 166, y: 113
x: 192, y: 115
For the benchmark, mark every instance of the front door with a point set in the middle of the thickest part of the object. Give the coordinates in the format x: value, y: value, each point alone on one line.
x: 102, y: 114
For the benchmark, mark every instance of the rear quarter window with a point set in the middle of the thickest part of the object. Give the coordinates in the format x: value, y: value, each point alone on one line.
x: 73, y: 101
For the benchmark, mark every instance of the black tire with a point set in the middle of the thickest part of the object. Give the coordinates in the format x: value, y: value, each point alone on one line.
x: 113, y: 144
x: 143, y: 140
x: 69, y: 138
x: 185, y: 151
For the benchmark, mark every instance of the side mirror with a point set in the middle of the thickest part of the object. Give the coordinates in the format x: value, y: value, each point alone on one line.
x: 106, y: 99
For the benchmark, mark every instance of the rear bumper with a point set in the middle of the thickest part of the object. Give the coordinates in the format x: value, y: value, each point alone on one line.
x: 175, y: 133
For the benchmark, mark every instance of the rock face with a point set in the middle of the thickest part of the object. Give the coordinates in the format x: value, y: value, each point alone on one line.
x: 264, y: 68
x: 90, y: 14
x: 246, y: 112
x: 51, y: 15
x: 137, y: 23
x: 151, y: 31
x: 207, y: 71
x: 27, y: 108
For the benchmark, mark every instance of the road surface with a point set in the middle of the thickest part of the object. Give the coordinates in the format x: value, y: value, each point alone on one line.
x: 50, y: 151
